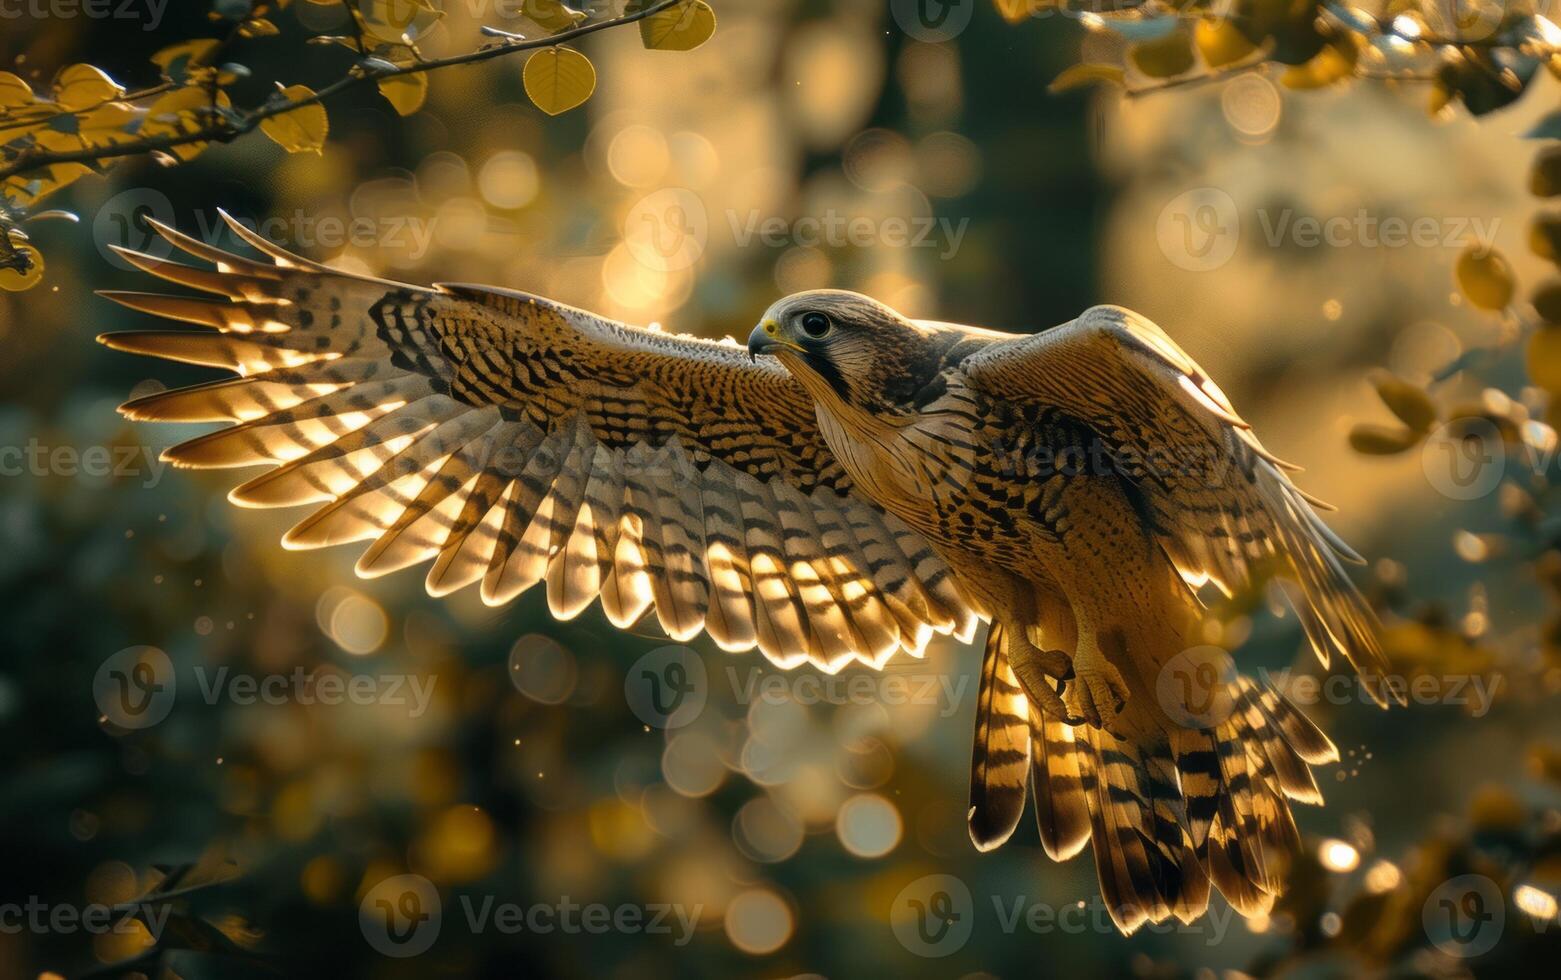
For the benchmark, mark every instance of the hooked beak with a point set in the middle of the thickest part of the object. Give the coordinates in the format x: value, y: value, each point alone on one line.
x: 766, y: 338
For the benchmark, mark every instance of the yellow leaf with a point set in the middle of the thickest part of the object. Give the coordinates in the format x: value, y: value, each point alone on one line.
x: 682, y: 27
x: 1544, y: 235
x: 1334, y: 63
x: 1547, y: 301
x: 1544, y: 358
x: 109, y: 124
x: 1013, y: 11
x: 83, y: 86
x: 302, y: 129
x: 13, y: 281
x: 1409, y: 402
x: 1164, y: 57
x: 176, y: 60
x: 1543, y: 181
x: 14, y: 92
x: 1381, y: 440
x: 258, y: 27
x: 405, y: 92
x: 396, y: 21
x: 1221, y: 43
x: 552, y: 15
x: 1078, y: 76
x: 558, y: 79
x: 1485, y: 277
x: 184, y: 110
x: 38, y: 184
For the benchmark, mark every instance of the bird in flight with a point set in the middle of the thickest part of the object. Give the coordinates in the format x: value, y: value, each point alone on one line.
x: 846, y: 486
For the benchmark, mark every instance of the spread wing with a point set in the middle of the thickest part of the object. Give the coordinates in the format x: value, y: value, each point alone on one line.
x: 1220, y: 505
x: 512, y: 441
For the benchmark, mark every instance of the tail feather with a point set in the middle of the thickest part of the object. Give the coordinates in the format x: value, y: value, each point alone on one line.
x: 1061, y: 811
x: 1000, y: 762
x: 1171, y: 816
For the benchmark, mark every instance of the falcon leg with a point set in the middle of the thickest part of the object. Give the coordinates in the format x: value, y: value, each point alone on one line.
x: 1098, y: 693
x: 1036, y: 669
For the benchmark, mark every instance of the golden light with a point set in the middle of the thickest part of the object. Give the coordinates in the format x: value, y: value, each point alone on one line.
x: 509, y: 180
x: 758, y: 921
x: 352, y: 620
x: 542, y: 669
x: 460, y: 844
x: 1251, y: 105
x: 1383, y: 877
x: 1338, y: 856
x: 1536, y: 902
x: 766, y: 832
x: 868, y: 825
x: 691, y: 764
x: 638, y: 155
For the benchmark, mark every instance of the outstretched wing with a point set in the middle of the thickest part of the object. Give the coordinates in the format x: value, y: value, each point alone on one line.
x: 513, y: 440
x: 1220, y: 505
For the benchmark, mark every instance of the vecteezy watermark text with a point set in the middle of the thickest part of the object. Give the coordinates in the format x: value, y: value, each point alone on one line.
x: 1200, y: 229
x: 402, y: 916
x: 95, y: 918
x: 935, y: 915
x: 148, y: 12
x: 99, y: 462
x: 122, y: 221
x: 831, y: 229
x: 136, y: 688
x: 888, y: 687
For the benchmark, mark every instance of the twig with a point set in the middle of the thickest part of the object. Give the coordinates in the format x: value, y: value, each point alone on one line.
x: 240, y: 123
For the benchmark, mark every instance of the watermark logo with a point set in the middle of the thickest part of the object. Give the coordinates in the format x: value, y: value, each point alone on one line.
x: 667, y: 230
x: 1464, y: 459
x: 399, y: 21
x: 135, y: 687
x: 122, y: 221
x: 667, y: 687
x: 1467, y: 20
x: 932, y: 21
x: 933, y: 916
x: 1194, y: 687
x: 1465, y: 916
x: 400, y: 916
x: 1198, y: 230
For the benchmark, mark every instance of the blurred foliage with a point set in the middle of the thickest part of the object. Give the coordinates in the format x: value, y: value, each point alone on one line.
x: 85, y: 119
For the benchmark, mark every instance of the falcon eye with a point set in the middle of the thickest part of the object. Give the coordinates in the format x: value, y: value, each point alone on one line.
x: 815, y: 324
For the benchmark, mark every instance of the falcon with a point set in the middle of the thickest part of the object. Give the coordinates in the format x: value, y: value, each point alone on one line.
x: 848, y: 485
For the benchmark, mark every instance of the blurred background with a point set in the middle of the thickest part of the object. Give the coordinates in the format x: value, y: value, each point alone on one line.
x: 772, y: 827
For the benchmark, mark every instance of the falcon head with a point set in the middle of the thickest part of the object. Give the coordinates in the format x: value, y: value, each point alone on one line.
x: 846, y: 345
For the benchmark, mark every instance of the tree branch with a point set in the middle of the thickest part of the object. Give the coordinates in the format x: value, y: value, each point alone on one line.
x: 240, y: 123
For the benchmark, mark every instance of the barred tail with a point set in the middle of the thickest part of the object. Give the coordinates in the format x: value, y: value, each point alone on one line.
x: 1171, y: 815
